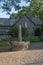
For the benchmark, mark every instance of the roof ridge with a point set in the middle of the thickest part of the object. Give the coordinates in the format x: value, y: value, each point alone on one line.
x: 21, y: 17
x: 29, y: 19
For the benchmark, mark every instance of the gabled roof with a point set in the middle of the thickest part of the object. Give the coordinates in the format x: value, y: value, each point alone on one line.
x: 21, y: 18
x: 35, y: 20
x: 32, y: 20
x: 11, y: 22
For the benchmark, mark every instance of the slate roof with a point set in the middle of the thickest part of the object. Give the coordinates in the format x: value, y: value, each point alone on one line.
x: 35, y: 21
x: 6, y: 22
x: 12, y: 22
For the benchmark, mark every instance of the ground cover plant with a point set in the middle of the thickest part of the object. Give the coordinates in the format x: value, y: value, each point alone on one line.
x: 4, y: 43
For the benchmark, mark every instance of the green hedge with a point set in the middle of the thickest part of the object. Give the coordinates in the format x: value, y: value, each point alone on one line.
x: 33, y: 39
x: 37, y: 31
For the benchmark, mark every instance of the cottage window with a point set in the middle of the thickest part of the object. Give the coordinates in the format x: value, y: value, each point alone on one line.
x: 26, y: 24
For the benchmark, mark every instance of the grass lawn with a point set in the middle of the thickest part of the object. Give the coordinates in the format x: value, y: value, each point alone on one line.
x: 4, y: 43
x: 33, y: 39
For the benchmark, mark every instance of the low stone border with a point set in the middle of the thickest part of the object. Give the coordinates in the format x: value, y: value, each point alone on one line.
x: 20, y: 45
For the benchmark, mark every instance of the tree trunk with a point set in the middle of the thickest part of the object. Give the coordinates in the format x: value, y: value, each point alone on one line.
x: 20, y: 33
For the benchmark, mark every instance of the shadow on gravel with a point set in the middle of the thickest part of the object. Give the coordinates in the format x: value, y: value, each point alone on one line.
x: 5, y: 49
x: 41, y: 63
x: 36, y: 46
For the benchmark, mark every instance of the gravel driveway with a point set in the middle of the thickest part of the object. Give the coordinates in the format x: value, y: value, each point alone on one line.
x: 28, y: 57
x: 31, y: 57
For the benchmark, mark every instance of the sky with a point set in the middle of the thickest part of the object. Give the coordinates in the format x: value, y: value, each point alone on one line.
x: 4, y: 15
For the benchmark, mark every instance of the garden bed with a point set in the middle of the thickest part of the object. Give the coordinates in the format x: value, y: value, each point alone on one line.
x: 20, y: 45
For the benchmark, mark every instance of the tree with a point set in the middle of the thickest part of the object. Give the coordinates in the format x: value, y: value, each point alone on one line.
x: 36, y: 8
x: 25, y: 9
x: 8, y: 4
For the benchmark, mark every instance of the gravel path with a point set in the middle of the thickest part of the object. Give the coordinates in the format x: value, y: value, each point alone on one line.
x: 30, y: 57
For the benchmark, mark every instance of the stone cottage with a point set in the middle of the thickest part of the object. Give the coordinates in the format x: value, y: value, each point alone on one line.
x: 29, y: 23
x: 6, y: 24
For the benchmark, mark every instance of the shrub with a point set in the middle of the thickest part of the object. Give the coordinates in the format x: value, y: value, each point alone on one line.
x: 14, y: 32
x: 37, y: 31
x: 34, y: 39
